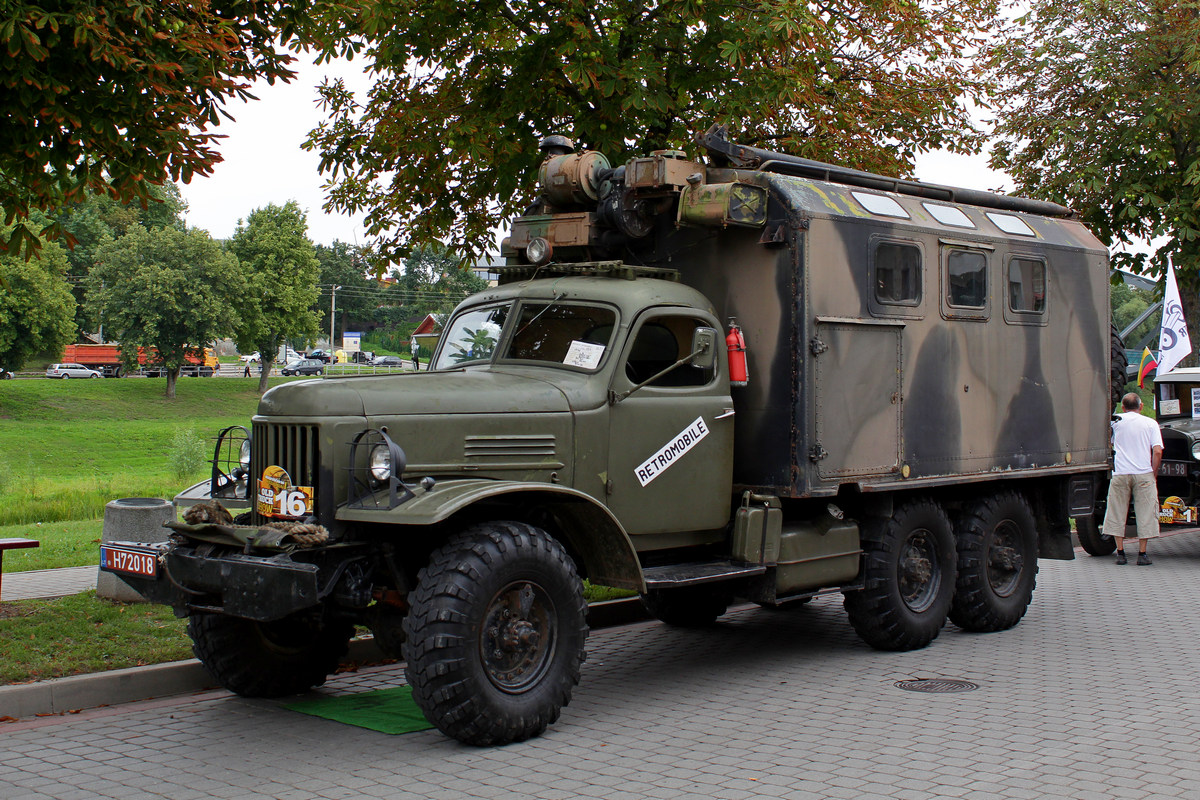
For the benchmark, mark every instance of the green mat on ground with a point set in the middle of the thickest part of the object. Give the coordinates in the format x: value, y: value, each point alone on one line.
x: 384, y: 710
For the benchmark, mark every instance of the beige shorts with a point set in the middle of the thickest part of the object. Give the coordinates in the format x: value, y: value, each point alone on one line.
x: 1144, y: 490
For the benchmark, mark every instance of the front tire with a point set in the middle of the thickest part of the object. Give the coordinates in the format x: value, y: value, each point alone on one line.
x: 495, y: 635
x: 908, y: 570
x: 997, y: 563
x: 1093, y: 542
x: 268, y: 659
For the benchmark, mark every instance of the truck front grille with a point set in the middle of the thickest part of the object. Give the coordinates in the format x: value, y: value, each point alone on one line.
x: 293, y: 447
x: 1177, y: 448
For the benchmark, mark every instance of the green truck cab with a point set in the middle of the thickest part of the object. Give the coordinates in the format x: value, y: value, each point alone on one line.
x: 754, y: 378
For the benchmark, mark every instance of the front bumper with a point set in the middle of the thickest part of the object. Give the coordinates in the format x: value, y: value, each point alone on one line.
x: 258, y: 587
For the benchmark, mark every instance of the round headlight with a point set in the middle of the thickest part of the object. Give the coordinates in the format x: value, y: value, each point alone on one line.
x: 538, y: 251
x: 380, y: 463
x: 244, y: 454
x: 1196, y: 451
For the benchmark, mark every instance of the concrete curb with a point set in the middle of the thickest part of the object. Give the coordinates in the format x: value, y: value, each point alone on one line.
x: 60, y: 695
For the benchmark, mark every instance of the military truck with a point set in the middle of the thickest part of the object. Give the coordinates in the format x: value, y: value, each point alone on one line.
x: 755, y: 377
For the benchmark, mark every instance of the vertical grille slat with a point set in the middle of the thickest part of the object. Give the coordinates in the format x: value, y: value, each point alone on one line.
x: 293, y: 447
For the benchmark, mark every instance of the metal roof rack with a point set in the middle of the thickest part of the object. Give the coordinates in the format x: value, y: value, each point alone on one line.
x: 605, y: 269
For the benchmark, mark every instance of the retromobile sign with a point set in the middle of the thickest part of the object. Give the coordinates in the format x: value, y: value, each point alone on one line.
x: 278, y: 498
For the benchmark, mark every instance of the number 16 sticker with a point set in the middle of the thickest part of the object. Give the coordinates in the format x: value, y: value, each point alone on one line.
x: 278, y: 498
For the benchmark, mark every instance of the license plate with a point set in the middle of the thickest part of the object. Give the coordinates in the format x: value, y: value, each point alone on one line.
x: 1173, y: 469
x: 129, y: 560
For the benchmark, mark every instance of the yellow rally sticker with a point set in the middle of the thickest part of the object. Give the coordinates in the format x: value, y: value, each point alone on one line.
x: 278, y: 498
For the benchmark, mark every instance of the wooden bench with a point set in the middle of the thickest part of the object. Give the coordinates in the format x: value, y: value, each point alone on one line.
x: 13, y: 544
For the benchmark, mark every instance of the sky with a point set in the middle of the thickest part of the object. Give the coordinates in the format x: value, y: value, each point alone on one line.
x: 263, y: 162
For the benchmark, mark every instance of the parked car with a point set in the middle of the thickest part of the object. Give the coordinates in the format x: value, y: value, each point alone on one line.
x: 306, y: 366
x: 65, y: 371
x: 6, y: 375
x: 388, y: 361
x: 362, y: 357
x: 324, y: 356
x: 250, y: 359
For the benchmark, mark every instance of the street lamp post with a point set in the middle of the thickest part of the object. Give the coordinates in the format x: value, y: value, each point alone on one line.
x: 332, y: 306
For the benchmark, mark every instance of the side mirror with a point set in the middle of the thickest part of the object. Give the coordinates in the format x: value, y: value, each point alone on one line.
x: 704, y: 348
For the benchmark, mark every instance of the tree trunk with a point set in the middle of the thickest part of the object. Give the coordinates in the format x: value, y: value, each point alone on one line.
x: 264, y: 365
x: 172, y: 376
x: 1187, y: 276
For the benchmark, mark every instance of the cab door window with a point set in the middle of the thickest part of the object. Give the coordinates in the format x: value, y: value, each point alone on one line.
x: 661, y: 342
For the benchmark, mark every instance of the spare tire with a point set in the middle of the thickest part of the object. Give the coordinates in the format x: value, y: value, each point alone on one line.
x: 1118, y: 364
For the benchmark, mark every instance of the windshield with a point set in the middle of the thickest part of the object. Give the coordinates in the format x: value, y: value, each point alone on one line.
x: 1175, y: 400
x: 472, y: 337
x: 549, y: 332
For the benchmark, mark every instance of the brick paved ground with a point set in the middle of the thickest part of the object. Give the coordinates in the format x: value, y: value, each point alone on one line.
x: 1092, y: 696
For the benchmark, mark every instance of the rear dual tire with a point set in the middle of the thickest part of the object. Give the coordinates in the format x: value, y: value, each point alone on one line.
x: 997, y: 563
x: 909, y: 575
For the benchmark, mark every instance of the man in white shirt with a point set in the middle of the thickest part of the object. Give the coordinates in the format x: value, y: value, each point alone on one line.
x: 1138, y: 449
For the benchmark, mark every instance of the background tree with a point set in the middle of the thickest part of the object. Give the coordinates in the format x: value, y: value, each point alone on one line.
x: 1127, y: 304
x: 345, y: 265
x: 429, y: 282
x: 36, y: 307
x: 1100, y: 110
x: 111, y: 96
x: 281, y: 269
x: 98, y: 217
x: 432, y: 282
x: 167, y: 289
x: 445, y: 145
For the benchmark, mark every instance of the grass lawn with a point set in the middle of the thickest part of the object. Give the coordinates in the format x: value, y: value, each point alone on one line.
x: 68, y: 543
x: 42, y: 639
x: 68, y: 447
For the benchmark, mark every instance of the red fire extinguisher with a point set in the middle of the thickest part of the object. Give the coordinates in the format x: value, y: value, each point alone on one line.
x: 737, y: 355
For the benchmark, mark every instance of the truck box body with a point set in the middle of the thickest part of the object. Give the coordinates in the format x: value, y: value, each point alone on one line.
x: 845, y: 389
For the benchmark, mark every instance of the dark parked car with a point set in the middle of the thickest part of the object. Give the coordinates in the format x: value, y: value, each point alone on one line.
x: 307, y: 366
x: 388, y: 361
x: 324, y: 356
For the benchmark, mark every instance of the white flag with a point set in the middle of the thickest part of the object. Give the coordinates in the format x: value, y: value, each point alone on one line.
x: 1173, y: 342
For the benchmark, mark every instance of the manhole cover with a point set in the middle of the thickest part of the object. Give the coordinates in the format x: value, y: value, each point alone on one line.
x: 937, y: 685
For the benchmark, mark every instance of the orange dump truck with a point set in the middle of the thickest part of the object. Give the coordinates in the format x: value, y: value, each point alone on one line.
x: 107, y: 359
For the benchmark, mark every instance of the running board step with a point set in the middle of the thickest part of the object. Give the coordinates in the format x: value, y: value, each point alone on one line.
x: 676, y: 575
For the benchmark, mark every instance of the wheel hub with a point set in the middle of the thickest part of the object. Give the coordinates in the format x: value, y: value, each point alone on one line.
x: 517, y: 639
x: 918, y: 571
x: 1004, y: 561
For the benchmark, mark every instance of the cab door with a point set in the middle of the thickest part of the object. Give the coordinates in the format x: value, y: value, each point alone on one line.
x: 671, y: 441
